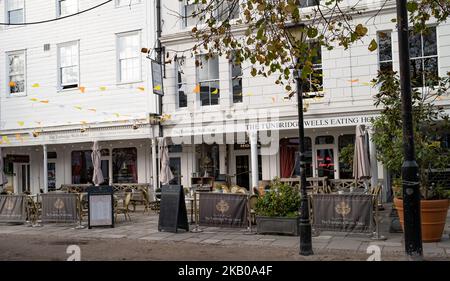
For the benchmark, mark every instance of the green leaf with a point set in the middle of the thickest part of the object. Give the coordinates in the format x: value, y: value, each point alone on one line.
x: 312, y: 32
x: 373, y: 45
x: 412, y: 6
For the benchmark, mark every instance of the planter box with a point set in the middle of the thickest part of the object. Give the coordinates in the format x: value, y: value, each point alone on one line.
x: 277, y: 225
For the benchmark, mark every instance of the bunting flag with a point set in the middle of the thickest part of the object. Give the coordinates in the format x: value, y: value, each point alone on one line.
x: 34, y: 99
x: 35, y: 85
x: 353, y: 81
x: 78, y: 107
x: 197, y: 89
x: 157, y: 88
x: 102, y: 88
x: 83, y: 122
x: 274, y: 99
x: 44, y: 101
x: 117, y: 115
x: 21, y: 123
x: 215, y: 92
x: 142, y: 89
x: 82, y: 89
x: 92, y: 109
x: 6, y: 140
x: 249, y: 94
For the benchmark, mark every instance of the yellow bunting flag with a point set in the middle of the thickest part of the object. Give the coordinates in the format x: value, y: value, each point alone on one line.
x: 353, y: 81
x: 5, y: 139
x: 82, y: 89
x: 35, y: 85
x: 21, y: 123
x: 83, y: 122
x: 142, y: 89
x: 215, y: 92
x: 12, y: 84
x: 103, y: 88
x: 117, y: 115
x: 92, y: 109
x: 197, y: 89
x: 44, y: 101
x: 78, y: 107
x: 34, y: 99
x: 157, y: 88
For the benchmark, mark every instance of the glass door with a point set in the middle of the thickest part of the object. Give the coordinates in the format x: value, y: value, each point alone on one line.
x: 325, y: 162
x: 24, y: 178
x: 51, y: 171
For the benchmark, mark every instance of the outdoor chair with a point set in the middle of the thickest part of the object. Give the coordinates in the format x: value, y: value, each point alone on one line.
x: 124, y: 208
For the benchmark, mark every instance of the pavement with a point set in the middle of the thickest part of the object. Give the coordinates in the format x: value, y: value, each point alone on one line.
x: 144, y: 227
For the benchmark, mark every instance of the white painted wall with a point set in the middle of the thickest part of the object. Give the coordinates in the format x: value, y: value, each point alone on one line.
x: 96, y: 32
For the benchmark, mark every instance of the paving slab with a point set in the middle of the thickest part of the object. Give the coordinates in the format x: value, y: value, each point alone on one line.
x: 344, y: 244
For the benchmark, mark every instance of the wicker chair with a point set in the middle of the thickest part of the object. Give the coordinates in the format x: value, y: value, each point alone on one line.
x: 124, y: 209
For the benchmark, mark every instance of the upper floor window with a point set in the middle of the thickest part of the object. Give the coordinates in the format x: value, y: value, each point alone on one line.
x: 120, y: 3
x: 67, y: 7
x: 129, y: 64
x: 68, y: 68
x: 181, y: 82
x: 424, y: 58
x: 16, y: 72
x: 208, y: 79
x: 236, y: 81
x: 308, y: 3
x: 15, y: 11
x: 384, y: 51
x: 314, y: 82
x: 190, y: 11
x: 228, y: 10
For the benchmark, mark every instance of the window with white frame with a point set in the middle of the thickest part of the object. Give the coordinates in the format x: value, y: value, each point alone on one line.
x: 424, y: 58
x: 129, y: 58
x: 308, y: 3
x: 229, y: 9
x: 15, y: 11
x: 16, y: 72
x: 208, y: 79
x: 68, y: 69
x: 190, y: 11
x: 236, y: 80
x: 67, y: 7
x: 181, y: 82
x: 384, y: 51
x: 314, y: 83
x: 120, y: 3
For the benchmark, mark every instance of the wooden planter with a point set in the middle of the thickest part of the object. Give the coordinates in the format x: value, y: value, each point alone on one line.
x: 277, y: 225
x: 433, y: 216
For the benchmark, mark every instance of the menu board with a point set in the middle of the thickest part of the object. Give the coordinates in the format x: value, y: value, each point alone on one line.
x: 101, y: 210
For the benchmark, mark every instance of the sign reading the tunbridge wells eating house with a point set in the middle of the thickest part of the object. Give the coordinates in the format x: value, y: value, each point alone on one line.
x: 343, y: 212
x: 61, y: 208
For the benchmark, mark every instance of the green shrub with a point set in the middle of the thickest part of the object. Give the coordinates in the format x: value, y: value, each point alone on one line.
x: 282, y: 200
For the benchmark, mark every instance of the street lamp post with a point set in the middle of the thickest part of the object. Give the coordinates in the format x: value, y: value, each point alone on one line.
x: 305, y: 223
x: 297, y: 35
x: 410, y: 170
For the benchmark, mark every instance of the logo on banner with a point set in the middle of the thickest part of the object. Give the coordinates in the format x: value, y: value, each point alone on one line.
x: 222, y: 206
x: 343, y: 208
x: 59, y: 204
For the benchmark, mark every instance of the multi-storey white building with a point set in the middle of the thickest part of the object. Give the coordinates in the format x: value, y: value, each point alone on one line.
x: 209, y: 105
x: 77, y: 78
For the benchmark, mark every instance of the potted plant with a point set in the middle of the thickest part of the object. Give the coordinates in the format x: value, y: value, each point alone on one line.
x: 431, y: 156
x: 277, y: 210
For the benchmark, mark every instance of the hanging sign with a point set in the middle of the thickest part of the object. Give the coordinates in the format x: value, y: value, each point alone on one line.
x: 157, y: 78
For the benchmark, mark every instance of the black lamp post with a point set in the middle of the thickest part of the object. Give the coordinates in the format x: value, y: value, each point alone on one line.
x: 297, y: 35
x: 410, y: 170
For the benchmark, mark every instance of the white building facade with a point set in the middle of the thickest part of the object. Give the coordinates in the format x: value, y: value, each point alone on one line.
x: 229, y: 122
x: 78, y: 78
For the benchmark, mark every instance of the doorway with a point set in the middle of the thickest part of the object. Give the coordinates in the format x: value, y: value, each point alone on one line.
x: 325, y: 162
x: 175, y: 167
x: 242, y: 171
x: 24, y: 177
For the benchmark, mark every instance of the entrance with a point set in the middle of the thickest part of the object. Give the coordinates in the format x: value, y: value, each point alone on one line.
x: 23, y: 177
x: 242, y: 171
x: 175, y: 167
x: 325, y: 162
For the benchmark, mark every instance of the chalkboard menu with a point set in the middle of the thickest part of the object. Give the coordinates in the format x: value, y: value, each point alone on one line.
x: 101, y: 206
x: 172, y: 213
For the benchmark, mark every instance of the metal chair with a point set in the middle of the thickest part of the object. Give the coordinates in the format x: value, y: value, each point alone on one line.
x: 124, y: 209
